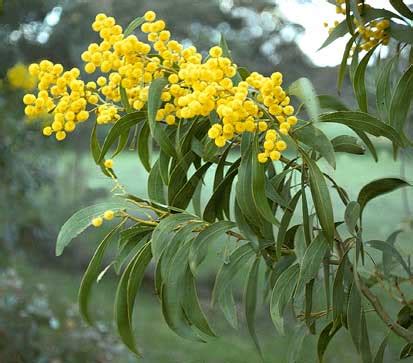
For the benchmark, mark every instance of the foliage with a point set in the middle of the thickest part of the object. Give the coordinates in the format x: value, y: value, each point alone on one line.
x: 237, y: 124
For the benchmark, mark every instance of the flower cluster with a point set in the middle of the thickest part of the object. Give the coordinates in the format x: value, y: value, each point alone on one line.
x: 19, y: 77
x: 371, y: 33
x: 197, y: 86
x: 107, y: 215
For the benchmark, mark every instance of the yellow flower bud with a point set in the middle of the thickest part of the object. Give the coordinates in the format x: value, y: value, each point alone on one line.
x: 108, y: 163
x: 97, y: 222
x: 108, y: 215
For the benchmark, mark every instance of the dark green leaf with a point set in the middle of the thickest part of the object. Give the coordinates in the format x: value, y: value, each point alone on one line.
x: 339, y: 31
x: 379, y: 358
x: 351, y: 216
x: 328, y: 102
x: 402, y: 33
x: 402, y: 8
x: 384, y: 89
x: 343, y: 65
x: 365, y: 350
x: 120, y: 128
x: 251, y: 295
x: 143, y: 146
x: 281, y: 295
x: 325, y: 337
x: 407, y: 351
x: 133, y: 25
x: 82, y: 219
x: 304, y: 90
x: 354, y: 315
x: 321, y: 198
x: 347, y: 144
x: 156, y: 190
x: 378, y: 187
x: 359, y: 80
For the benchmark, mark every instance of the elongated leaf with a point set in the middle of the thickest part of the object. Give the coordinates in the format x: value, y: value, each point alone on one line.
x: 378, y: 187
x: 401, y: 100
x: 296, y: 344
x: 407, y: 351
x: 312, y: 260
x: 343, y: 64
x: 154, y: 102
x: 135, y: 280
x: 91, y: 274
x: 339, y: 31
x: 379, y: 358
x: 324, y: 339
x: 192, y: 306
x: 124, y: 99
x: 281, y: 295
x: 365, y: 350
x: 201, y: 243
x: 402, y: 8
x: 185, y: 194
x: 227, y: 53
x: 133, y: 25
x: 351, y: 216
x: 304, y: 90
x: 82, y: 219
x: 95, y: 151
x: 360, y: 121
x: 179, y: 175
x: 321, y: 198
x: 347, y: 144
x: 402, y: 33
x: 164, y: 232
x: 120, y: 128
x: 156, y: 191
x: 353, y: 316
x: 359, y: 80
x: 338, y: 293
x: 285, y: 222
x: 384, y: 89
x: 388, y: 257
x: 172, y: 295
x: 391, y: 250
x: 318, y: 141
x: 363, y: 136
x: 229, y: 270
x: 328, y: 102
x: 143, y: 147
x: 251, y: 295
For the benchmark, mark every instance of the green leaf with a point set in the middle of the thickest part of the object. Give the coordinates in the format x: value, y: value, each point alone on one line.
x: 154, y: 102
x: 351, y: 216
x: 211, y: 234
x: 179, y: 175
x: 122, y: 317
x: 133, y: 25
x: 185, y: 194
x: 156, y: 190
x: 296, y: 344
x: 359, y: 80
x: 82, y: 219
x: 227, y: 53
x: 91, y: 274
x: 339, y: 31
x: 172, y: 295
x: 401, y: 100
x: 328, y: 102
x: 229, y: 271
x: 192, y: 306
x: 258, y: 186
x: 365, y: 350
x: 304, y: 90
x: 285, y: 222
x: 120, y: 128
x: 379, y: 358
x: 347, y: 144
x: 343, y: 65
x: 387, y: 257
x: 402, y: 8
x: 321, y: 198
x: 312, y: 260
x: 164, y: 231
x: 251, y: 295
x: 338, y: 293
x: 353, y: 316
x: 143, y: 146
x: 363, y: 136
x: 318, y: 141
x: 384, y: 89
x: 387, y: 248
x: 378, y: 187
x: 281, y: 295
x: 135, y: 278
x: 407, y: 351
x: 324, y: 339
x: 402, y: 33
x: 124, y: 99
x: 360, y: 121
x: 95, y: 150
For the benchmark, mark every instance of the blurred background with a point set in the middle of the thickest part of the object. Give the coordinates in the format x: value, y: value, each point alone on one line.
x: 42, y: 182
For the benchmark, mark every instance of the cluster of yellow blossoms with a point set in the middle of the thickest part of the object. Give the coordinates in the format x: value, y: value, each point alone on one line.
x: 19, y: 77
x: 196, y: 87
x: 371, y: 33
x: 107, y: 215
